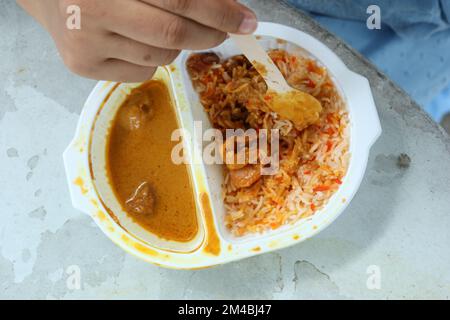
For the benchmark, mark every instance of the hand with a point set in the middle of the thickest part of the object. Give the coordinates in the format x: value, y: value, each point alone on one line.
x: 126, y: 40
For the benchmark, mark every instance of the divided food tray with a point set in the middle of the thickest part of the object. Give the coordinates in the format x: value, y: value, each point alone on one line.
x: 85, y: 162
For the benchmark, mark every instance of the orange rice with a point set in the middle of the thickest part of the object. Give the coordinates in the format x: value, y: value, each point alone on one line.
x: 313, y: 162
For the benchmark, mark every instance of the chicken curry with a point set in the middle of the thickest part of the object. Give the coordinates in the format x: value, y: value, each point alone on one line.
x: 153, y: 191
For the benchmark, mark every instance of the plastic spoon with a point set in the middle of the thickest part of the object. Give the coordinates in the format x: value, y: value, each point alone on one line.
x: 299, y: 107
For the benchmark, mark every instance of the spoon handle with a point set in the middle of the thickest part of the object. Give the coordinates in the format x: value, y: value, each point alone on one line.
x: 261, y: 61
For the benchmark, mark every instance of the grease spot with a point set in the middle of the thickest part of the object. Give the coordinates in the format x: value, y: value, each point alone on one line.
x: 12, y: 153
x: 38, y: 213
x: 403, y: 161
x: 212, y: 240
x: 33, y: 162
x: 101, y: 215
x: 388, y: 168
x: 80, y: 183
x: 139, y: 247
x: 273, y: 244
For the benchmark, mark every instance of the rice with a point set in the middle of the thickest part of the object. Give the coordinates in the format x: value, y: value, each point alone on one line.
x: 313, y: 161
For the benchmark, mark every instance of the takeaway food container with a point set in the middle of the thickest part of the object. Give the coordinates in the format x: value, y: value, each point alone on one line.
x: 91, y: 193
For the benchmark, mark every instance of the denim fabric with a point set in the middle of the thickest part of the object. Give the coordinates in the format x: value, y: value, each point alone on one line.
x: 412, y: 48
x: 408, y: 18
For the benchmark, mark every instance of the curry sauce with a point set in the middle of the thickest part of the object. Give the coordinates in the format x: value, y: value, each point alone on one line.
x: 155, y: 193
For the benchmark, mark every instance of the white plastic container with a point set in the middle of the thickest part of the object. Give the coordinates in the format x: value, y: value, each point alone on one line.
x: 91, y: 193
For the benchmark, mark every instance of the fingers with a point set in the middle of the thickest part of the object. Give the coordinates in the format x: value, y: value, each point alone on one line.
x: 122, y: 71
x: 159, y: 28
x: 124, y: 41
x: 113, y: 70
x: 224, y: 15
x: 128, y: 50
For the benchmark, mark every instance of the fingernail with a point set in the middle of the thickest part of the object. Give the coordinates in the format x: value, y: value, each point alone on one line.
x: 249, y: 24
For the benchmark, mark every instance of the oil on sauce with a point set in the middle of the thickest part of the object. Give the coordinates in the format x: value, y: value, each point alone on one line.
x: 154, y: 192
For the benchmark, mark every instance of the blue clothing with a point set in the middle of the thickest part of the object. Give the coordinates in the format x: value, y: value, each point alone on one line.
x: 412, y: 47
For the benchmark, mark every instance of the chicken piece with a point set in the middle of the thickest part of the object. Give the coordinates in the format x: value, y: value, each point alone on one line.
x: 143, y: 200
x: 201, y: 62
x: 246, y: 176
x: 237, y: 156
x: 227, y: 153
x: 137, y: 115
x: 138, y: 111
